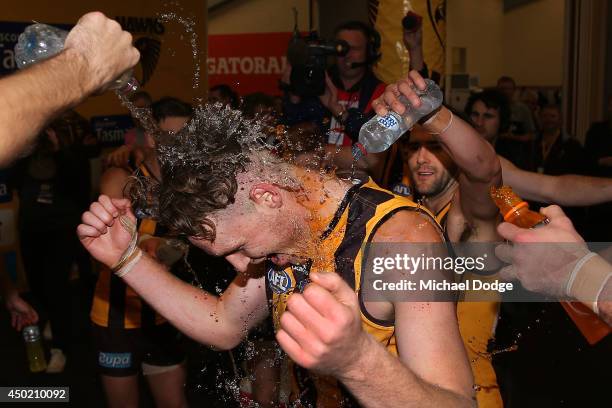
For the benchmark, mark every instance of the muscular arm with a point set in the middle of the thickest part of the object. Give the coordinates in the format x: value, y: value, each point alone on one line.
x: 425, y: 333
x: 32, y: 97
x: 342, y: 158
x: 221, y: 321
x: 218, y: 321
x: 96, y: 51
x: 476, y: 158
x: 568, y: 190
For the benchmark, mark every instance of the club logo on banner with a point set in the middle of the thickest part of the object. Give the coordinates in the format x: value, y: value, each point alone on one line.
x: 248, y: 63
x: 147, y: 32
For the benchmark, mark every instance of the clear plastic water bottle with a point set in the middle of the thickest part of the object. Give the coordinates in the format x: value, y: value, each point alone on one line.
x: 379, y: 133
x: 40, y: 41
x: 34, y: 349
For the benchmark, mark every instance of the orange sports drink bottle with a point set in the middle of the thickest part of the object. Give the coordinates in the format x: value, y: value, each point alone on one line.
x: 516, y: 211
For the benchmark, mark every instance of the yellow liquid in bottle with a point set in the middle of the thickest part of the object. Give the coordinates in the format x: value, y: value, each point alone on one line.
x: 36, y: 356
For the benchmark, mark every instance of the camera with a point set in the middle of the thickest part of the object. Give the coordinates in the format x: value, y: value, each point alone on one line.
x: 308, y: 58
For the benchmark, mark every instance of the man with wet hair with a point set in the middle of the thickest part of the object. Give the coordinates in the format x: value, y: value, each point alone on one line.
x: 286, y: 230
x: 96, y: 52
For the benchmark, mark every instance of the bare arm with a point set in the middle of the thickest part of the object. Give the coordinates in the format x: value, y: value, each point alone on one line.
x: 568, y: 190
x: 219, y: 321
x: 342, y: 158
x: 480, y: 168
x: 425, y: 332
x: 22, y: 314
x: 96, y: 52
x: 476, y: 158
x: 322, y: 330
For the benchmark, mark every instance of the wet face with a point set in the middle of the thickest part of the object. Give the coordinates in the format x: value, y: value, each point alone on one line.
x: 249, y: 232
x: 550, y: 119
x: 485, y: 120
x: 357, y: 42
x: 430, y: 166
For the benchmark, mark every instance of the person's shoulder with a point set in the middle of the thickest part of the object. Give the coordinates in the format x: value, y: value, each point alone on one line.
x: 115, y: 175
x: 409, y: 226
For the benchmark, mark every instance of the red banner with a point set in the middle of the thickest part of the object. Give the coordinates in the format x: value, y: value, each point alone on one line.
x: 247, y: 62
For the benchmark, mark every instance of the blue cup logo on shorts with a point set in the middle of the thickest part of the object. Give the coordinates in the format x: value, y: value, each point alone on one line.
x: 279, y: 281
x: 388, y: 122
x: 115, y: 360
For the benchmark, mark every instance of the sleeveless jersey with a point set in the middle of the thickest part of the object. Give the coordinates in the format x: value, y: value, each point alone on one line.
x: 117, y: 305
x: 343, y: 247
x: 477, y: 322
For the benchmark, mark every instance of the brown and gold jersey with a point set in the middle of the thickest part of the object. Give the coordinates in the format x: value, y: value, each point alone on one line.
x: 342, y: 248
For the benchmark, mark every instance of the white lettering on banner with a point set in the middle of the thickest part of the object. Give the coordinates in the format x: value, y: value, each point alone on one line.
x: 210, y: 66
x: 274, y: 65
x: 8, y: 59
x: 246, y: 68
x: 222, y: 67
x: 110, y: 135
x: 260, y: 66
x: 233, y: 62
x: 8, y: 37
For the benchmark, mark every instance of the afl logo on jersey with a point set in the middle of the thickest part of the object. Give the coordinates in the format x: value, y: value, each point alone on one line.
x: 279, y: 281
x: 402, y: 190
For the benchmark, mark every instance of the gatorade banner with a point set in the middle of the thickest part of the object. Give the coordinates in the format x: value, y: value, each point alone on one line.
x: 248, y: 63
x: 395, y: 60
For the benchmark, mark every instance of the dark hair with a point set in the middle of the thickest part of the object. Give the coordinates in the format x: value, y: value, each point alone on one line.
x: 372, y: 36
x: 227, y: 92
x: 493, y: 99
x: 506, y: 78
x: 168, y: 106
x: 199, y: 165
x: 251, y: 101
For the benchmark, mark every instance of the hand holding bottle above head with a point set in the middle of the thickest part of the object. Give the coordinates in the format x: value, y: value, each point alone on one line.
x: 106, y: 50
x: 408, y: 88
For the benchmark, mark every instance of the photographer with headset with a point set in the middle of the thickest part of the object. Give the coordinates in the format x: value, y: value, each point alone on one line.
x: 350, y: 87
